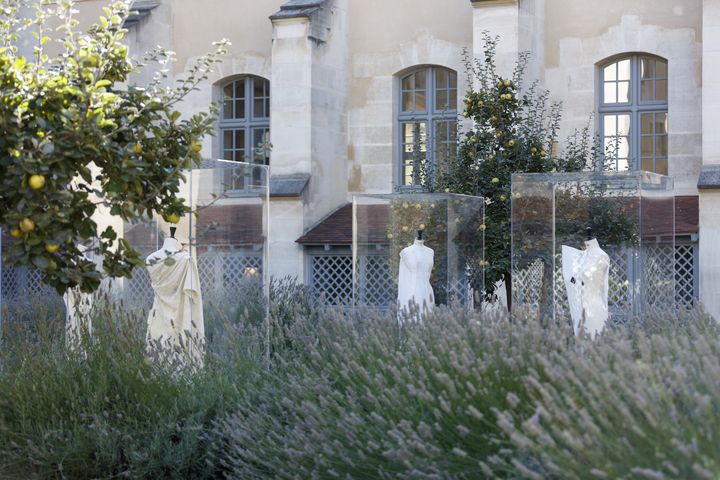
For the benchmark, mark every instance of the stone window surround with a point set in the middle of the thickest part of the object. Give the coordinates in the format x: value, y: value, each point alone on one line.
x: 633, y: 108
x: 249, y: 124
x: 429, y: 116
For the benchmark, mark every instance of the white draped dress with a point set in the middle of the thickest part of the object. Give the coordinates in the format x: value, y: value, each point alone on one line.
x: 175, y: 322
x: 416, y: 263
x: 586, y: 275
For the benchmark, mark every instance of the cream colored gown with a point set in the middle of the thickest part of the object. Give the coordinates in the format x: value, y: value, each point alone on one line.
x: 176, y: 319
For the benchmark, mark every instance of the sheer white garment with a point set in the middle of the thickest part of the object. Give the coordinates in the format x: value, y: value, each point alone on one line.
x: 77, y: 315
x: 175, y: 322
x: 586, y: 275
x: 416, y: 263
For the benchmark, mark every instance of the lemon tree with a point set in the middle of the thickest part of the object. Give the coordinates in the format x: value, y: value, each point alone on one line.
x: 513, y: 130
x: 76, y: 133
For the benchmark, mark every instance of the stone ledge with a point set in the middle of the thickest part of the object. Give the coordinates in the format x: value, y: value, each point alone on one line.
x: 492, y: 3
x: 709, y: 178
x: 139, y: 10
x: 298, y: 9
x: 288, y: 185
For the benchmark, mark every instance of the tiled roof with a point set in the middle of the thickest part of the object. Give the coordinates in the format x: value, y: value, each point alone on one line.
x: 230, y: 225
x: 336, y: 228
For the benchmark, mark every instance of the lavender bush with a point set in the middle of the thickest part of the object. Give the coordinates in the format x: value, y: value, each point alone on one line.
x: 358, y: 395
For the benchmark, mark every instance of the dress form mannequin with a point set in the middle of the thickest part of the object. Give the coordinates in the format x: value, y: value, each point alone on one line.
x: 586, y: 274
x: 175, y: 321
x: 416, y: 263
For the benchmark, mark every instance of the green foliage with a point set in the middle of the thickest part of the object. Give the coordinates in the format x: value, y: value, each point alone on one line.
x: 514, y: 130
x: 77, y: 136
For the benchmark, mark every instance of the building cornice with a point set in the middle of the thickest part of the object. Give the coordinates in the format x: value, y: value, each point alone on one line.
x: 298, y: 9
x: 492, y: 3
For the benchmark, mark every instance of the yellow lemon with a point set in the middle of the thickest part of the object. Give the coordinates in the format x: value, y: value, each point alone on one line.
x: 482, y: 227
x: 196, y: 146
x: 173, y: 218
x: 15, y: 232
x: 52, y: 247
x: 495, y: 180
x: 137, y: 149
x: 36, y: 182
x: 27, y: 225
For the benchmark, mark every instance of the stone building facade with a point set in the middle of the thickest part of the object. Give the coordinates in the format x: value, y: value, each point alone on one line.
x: 344, y: 87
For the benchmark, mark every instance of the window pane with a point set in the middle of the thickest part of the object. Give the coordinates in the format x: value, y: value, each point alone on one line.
x: 661, y: 123
x: 240, y: 108
x: 623, y: 92
x: 228, y: 109
x: 240, y: 155
x: 259, y: 108
x: 239, y: 139
x: 420, y: 101
x: 240, y: 89
x: 228, y: 140
x: 258, y: 87
x: 452, y: 80
x: 441, y: 100
x: 646, y: 122
x: 646, y: 146
x: 661, y: 69
x: 646, y: 68
x: 421, y: 80
x: 661, y: 146
x: 646, y: 90
x: 452, y: 100
x: 609, y: 125
x: 228, y: 155
x: 661, y: 166
x: 623, y: 147
x: 623, y: 124
x: 407, y: 102
x: 407, y: 82
x: 661, y: 90
x: 610, y: 95
x: 623, y: 70
x: 623, y: 165
x: 610, y: 72
x: 647, y: 165
x: 441, y: 79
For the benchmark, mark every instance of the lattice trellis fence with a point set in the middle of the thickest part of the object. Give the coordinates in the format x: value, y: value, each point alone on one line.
x: 221, y: 273
x: 331, y: 279
x: 376, y: 287
x: 21, y: 283
x: 685, y: 275
x: 662, y: 265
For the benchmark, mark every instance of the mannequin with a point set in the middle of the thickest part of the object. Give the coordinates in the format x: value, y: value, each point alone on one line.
x: 176, y: 317
x: 586, y: 275
x: 416, y: 263
x: 78, y: 306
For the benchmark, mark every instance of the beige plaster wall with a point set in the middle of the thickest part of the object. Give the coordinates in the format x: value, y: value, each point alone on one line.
x: 387, y: 37
x: 599, y: 30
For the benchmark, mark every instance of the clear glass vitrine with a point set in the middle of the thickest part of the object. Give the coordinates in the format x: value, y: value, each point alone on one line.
x: 632, y: 215
x: 452, y: 225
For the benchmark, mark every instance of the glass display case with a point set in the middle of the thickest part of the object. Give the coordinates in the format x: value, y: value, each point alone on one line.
x: 226, y: 232
x: 451, y: 225
x: 632, y: 216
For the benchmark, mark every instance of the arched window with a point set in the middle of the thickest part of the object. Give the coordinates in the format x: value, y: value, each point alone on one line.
x: 245, y: 126
x: 634, y: 113
x: 427, y: 121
